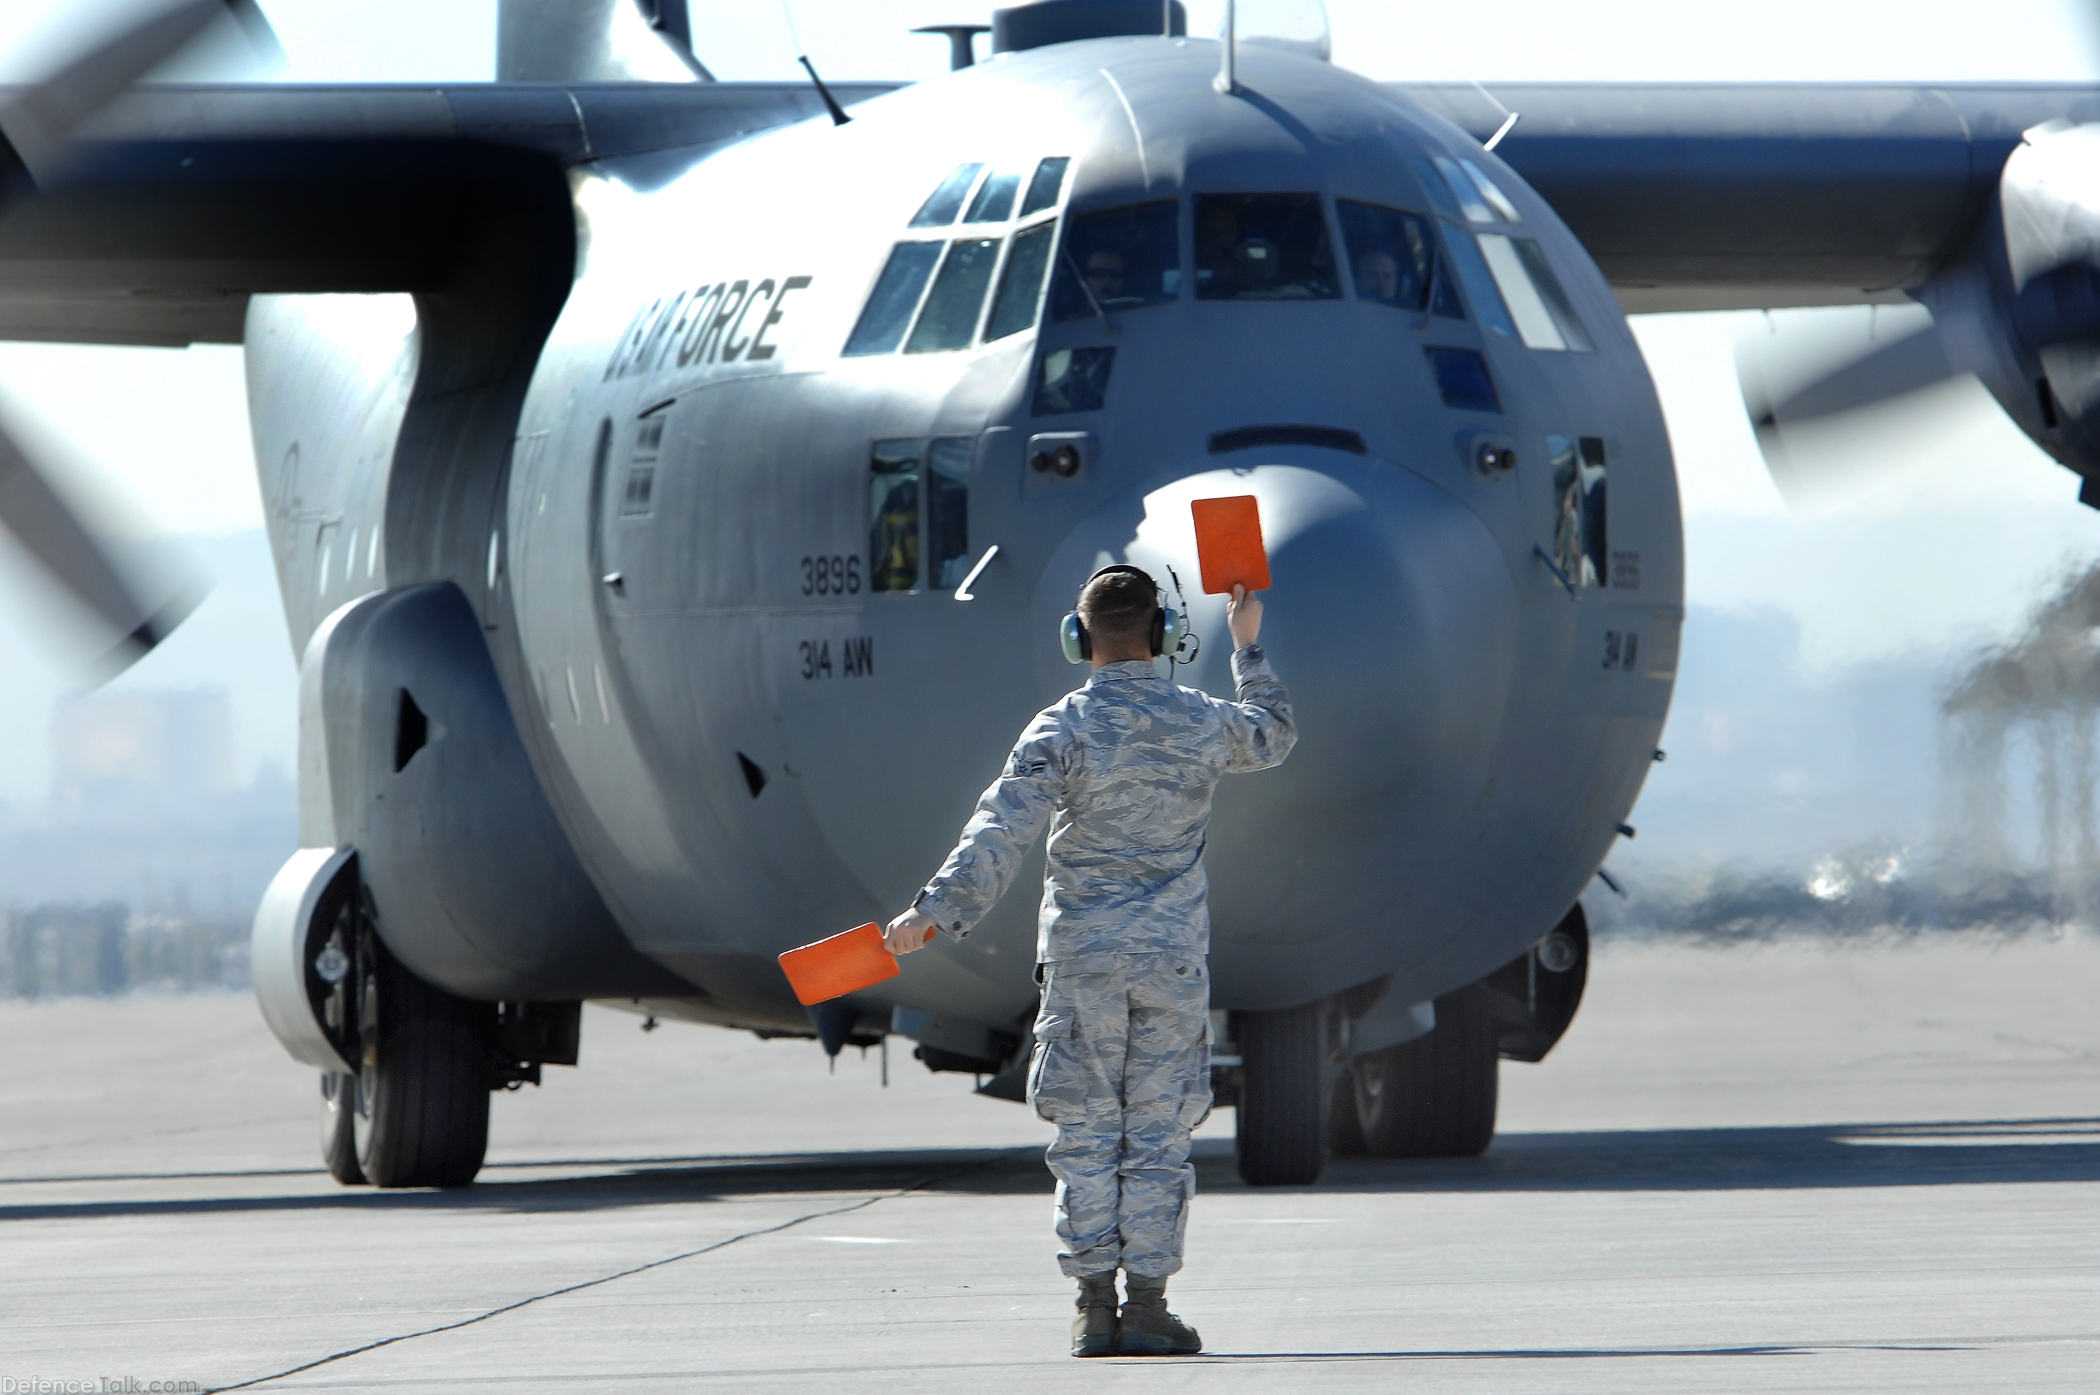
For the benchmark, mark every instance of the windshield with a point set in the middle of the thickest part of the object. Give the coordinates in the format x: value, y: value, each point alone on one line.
x: 1128, y: 257
x: 1263, y: 247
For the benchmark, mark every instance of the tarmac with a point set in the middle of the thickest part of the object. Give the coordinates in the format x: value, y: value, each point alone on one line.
x: 1776, y: 1169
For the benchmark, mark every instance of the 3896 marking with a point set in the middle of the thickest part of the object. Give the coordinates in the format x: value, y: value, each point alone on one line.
x: 831, y: 576
x: 856, y: 658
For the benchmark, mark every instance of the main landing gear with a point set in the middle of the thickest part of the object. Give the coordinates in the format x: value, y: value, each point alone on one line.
x: 1302, y: 1094
x: 416, y: 1113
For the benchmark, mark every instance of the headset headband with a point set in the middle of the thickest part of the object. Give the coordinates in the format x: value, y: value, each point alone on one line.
x: 1110, y: 570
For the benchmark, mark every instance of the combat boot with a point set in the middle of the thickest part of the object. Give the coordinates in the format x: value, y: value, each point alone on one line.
x: 1147, y: 1328
x: 1094, y: 1330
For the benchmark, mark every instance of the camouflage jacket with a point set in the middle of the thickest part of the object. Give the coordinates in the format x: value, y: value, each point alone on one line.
x: 1122, y: 770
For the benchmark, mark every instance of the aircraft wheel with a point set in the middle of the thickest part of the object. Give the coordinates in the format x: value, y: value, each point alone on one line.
x: 1283, y: 1093
x: 422, y: 1116
x: 1433, y: 1097
x: 339, y: 1128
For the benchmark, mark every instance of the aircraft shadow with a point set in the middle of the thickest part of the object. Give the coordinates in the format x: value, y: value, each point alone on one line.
x: 1823, y: 1155
x: 1728, y: 1159
x: 1541, y: 1353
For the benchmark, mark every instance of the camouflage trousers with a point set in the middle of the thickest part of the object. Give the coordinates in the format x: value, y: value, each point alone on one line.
x: 1122, y: 1067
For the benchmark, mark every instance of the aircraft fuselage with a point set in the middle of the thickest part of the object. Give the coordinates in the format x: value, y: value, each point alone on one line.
x: 722, y: 569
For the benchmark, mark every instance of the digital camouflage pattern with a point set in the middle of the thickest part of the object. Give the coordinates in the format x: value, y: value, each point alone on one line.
x: 1122, y: 770
x: 1122, y: 1067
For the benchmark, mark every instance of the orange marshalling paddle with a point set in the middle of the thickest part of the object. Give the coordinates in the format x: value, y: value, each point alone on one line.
x: 842, y: 964
x: 1228, y: 544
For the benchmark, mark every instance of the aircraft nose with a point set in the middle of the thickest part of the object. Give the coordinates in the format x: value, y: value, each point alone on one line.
x: 1392, y: 619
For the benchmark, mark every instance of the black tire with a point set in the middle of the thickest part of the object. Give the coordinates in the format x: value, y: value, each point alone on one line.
x: 1283, y: 1096
x: 1433, y: 1097
x: 422, y: 1117
x: 339, y: 1128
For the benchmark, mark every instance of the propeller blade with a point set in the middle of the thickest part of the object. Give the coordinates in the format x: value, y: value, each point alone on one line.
x: 38, y: 122
x: 101, y: 571
x: 1813, y: 381
x: 37, y: 125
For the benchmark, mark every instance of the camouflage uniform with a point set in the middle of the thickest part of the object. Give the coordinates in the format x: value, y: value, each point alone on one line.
x: 1122, y: 770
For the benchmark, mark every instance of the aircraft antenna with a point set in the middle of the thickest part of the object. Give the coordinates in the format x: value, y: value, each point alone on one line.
x: 1227, y: 82
x: 1509, y: 118
x: 960, y: 36
x: 838, y: 113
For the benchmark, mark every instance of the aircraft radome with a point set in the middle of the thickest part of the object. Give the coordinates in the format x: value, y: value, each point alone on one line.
x: 675, y: 491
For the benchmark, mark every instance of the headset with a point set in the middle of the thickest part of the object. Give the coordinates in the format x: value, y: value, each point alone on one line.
x: 1169, y: 626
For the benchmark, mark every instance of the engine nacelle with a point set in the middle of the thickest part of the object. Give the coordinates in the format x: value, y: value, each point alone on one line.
x: 409, y: 755
x: 2021, y: 308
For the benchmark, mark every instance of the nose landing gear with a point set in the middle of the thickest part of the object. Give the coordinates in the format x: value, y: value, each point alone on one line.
x: 1282, y: 1134
x: 1301, y: 1094
x: 1433, y: 1097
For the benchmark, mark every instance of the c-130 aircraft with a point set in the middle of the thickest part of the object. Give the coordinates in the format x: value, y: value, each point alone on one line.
x: 676, y: 487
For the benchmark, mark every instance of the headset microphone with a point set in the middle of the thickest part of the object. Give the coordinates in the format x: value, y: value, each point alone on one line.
x: 1167, y: 630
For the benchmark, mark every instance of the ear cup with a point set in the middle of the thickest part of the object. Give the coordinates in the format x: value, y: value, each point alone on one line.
x: 1176, y: 626
x: 1158, y: 634
x: 1074, y: 640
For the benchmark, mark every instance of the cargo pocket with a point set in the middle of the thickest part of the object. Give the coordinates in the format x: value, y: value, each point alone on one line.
x: 1056, y: 1083
x: 1196, y: 1098
x: 1181, y: 1222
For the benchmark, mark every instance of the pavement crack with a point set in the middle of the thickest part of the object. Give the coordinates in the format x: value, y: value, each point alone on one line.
x: 863, y: 1204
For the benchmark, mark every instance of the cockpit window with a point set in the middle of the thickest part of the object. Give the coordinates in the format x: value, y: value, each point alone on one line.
x: 1580, y: 541
x: 1480, y: 286
x: 1119, y: 259
x: 1492, y: 192
x: 948, y: 510
x: 1557, y: 303
x: 995, y: 198
x: 896, y: 295
x: 1392, y: 255
x: 1021, y: 285
x: 1464, y: 190
x: 950, y: 317
x: 944, y: 203
x: 1048, y: 183
x: 1526, y: 306
x: 1263, y: 247
x: 1545, y: 319
x: 1437, y: 188
x: 893, y: 516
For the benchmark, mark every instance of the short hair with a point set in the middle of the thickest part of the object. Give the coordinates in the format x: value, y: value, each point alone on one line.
x: 1117, y: 609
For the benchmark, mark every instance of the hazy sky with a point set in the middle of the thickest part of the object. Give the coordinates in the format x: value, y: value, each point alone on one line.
x: 1965, y: 527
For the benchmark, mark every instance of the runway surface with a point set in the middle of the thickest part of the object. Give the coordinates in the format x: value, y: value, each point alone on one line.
x: 1776, y: 1169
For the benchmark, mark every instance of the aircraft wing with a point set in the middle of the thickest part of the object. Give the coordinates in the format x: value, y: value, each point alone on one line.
x: 183, y: 201
x: 1737, y: 196
x: 186, y: 200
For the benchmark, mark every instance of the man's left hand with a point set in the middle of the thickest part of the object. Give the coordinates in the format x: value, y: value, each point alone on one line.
x: 909, y: 932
